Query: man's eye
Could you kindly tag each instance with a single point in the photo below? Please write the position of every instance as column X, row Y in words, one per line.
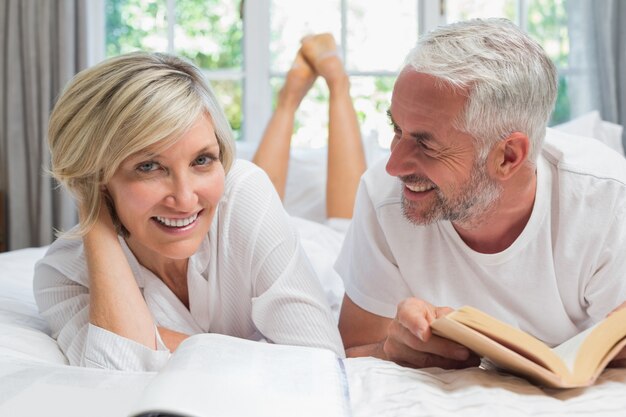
column 147, row 166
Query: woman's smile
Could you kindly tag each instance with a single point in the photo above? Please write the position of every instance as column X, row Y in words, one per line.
column 166, row 199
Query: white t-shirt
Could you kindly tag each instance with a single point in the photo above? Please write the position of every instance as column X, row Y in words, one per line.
column 249, row 278
column 565, row 271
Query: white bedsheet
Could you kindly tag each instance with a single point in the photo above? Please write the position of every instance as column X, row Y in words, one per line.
column 34, row 375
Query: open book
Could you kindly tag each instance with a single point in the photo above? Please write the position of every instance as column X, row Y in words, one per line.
column 575, row 363
column 221, row 376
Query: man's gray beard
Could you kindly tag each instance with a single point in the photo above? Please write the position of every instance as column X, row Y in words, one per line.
column 467, row 209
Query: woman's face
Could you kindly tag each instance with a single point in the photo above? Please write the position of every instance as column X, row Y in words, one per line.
column 167, row 200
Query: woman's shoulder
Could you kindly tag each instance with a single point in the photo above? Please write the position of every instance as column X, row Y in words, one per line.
column 65, row 256
column 249, row 196
column 246, row 180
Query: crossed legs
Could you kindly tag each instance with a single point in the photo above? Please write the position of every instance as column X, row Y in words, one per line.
column 346, row 158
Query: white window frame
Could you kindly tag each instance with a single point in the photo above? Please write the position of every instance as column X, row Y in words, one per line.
column 256, row 73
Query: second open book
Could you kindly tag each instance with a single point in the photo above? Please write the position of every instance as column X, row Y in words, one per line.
column 222, row 376
column 575, row 363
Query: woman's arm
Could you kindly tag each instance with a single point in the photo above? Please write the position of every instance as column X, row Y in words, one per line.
column 84, row 318
column 115, row 301
column 288, row 304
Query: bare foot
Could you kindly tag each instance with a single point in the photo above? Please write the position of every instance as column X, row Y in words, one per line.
column 323, row 55
column 298, row 81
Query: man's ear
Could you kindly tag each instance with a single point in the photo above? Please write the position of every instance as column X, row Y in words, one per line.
column 510, row 154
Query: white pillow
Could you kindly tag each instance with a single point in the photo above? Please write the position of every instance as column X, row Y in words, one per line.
column 28, row 343
column 305, row 191
column 592, row 126
column 24, row 334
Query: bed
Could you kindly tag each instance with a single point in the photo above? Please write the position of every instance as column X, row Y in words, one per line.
column 35, row 378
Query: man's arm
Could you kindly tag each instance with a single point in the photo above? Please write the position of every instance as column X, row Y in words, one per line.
column 362, row 332
column 406, row 339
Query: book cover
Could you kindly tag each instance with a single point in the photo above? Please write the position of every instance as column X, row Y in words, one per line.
column 575, row 363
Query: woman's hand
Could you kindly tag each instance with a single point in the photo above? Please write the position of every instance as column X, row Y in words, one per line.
column 115, row 301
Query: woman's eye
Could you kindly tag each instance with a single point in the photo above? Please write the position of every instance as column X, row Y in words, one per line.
column 203, row 160
column 147, row 166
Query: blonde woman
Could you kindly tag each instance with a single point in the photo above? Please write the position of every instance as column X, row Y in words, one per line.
column 175, row 236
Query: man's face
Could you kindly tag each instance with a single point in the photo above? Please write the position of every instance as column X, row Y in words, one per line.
column 437, row 163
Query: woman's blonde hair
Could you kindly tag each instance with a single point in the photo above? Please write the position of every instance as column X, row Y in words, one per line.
column 120, row 107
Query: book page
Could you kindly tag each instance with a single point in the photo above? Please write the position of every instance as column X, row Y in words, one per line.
column 568, row 350
column 31, row 388
column 510, row 337
column 217, row 375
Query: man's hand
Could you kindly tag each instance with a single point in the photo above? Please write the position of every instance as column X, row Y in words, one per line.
column 620, row 360
column 406, row 340
column 410, row 341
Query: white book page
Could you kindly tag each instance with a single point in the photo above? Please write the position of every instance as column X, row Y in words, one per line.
column 217, row 375
column 568, row 350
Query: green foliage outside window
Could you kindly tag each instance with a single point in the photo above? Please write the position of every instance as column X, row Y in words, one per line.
column 210, row 33
column 207, row 32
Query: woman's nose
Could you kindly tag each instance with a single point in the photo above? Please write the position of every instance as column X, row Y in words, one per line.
column 182, row 195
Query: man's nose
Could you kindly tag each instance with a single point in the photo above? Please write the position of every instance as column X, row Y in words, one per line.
column 402, row 160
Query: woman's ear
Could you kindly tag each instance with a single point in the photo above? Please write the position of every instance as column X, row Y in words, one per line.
column 510, row 154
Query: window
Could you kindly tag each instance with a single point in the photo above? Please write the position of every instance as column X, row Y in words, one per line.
column 365, row 34
column 208, row 32
column 544, row 20
column 248, row 71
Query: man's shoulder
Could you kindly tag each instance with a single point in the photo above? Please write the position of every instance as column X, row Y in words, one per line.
column 583, row 156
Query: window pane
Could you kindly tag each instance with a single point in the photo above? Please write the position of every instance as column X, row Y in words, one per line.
column 547, row 24
column 311, row 122
column 229, row 95
column 291, row 20
column 135, row 25
column 379, row 36
column 457, row 10
column 372, row 97
column 562, row 109
column 209, row 32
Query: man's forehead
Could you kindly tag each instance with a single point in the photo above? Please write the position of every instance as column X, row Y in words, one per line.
column 414, row 90
column 411, row 81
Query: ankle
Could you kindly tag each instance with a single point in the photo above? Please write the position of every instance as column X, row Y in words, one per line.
column 338, row 82
column 288, row 100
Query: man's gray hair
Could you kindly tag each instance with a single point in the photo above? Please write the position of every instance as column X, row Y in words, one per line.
column 511, row 82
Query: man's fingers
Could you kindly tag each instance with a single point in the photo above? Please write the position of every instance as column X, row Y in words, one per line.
column 442, row 311
column 416, row 316
column 436, row 345
column 404, row 355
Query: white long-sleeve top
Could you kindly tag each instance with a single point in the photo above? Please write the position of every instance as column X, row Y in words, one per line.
column 249, row 278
